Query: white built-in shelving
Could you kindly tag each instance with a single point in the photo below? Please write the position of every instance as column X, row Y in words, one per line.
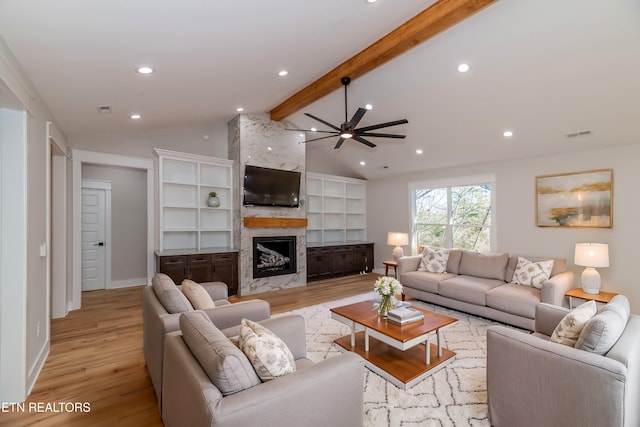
column 184, row 182
column 336, row 209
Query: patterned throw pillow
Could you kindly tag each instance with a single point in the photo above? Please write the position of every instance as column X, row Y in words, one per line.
column 532, row 273
column 434, row 260
column 197, row 295
column 269, row 355
column 568, row 330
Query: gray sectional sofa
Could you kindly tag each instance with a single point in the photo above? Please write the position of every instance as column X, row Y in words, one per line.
column 479, row 284
column 327, row 393
column 532, row 381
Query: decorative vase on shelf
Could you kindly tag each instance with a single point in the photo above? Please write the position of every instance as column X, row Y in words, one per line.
column 213, row 201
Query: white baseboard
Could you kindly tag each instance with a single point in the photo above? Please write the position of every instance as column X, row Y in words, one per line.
column 127, row 283
column 38, row 364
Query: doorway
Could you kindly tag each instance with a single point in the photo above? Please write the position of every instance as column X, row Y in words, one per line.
column 96, row 234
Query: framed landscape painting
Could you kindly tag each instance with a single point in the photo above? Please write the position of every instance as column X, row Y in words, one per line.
column 578, row 199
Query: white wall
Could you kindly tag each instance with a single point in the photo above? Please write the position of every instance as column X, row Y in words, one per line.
column 128, row 222
column 141, row 143
column 517, row 233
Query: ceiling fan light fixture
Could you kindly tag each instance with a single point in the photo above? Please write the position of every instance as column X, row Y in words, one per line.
column 346, row 135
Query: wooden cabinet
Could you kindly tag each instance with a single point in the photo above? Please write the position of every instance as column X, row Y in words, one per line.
column 201, row 267
column 225, row 269
column 318, row 263
column 338, row 260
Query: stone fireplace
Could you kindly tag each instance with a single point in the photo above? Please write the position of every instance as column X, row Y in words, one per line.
column 274, row 256
column 256, row 140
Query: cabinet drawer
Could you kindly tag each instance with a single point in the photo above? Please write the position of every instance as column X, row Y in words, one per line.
column 199, row 259
column 173, row 261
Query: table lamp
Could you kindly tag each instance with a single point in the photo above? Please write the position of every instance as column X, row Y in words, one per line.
column 398, row 240
column 591, row 255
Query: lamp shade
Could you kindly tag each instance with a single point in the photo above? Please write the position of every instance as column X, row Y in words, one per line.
column 397, row 239
column 592, row 255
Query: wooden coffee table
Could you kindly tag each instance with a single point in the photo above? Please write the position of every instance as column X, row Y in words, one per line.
column 402, row 354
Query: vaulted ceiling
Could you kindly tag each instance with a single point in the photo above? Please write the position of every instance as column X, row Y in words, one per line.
column 543, row 69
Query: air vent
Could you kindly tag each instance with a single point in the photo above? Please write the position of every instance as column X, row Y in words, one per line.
column 104, row 109
column 577, row 134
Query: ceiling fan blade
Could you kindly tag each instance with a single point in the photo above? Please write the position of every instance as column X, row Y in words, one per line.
column 364, row 141
column 322, row 121
column 381, row 125
column 357, row 117
column 316, row 131
column 322, row 137
column 382, row 135
column 339, row 143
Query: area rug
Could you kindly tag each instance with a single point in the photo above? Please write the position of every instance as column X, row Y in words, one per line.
column 453, row 396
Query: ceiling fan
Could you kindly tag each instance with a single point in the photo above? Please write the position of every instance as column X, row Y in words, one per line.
column 348, row 130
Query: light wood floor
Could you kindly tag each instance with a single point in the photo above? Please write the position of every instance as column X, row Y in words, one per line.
column 96, row 356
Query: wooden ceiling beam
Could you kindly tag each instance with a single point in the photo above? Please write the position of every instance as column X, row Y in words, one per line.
column 438, row 17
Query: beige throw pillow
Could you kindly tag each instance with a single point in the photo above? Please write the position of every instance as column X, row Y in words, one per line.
column 197, row 295
column 434, row 260
column 530, row 273
column 568, row 330
column 269, row 355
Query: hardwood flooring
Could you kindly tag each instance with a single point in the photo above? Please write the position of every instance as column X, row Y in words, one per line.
column 96, row 357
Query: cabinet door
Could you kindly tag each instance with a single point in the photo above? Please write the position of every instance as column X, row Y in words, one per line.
column 342, row 260
column 225, row 269
column 200, row 268
column 360, row 259
column 173, row 266
column 318, row 263
column 369, row 258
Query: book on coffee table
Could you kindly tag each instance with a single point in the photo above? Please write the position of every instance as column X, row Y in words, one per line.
column 402, row 315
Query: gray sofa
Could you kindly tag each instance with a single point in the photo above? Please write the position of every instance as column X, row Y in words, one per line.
column 534, row 382
column 328, row 393
column 479, row 284
column 157, row 322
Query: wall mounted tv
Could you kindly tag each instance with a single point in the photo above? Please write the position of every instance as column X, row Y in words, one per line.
column 271, row 187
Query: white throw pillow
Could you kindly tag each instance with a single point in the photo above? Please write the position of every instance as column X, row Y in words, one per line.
column 568, row 330
column 269, row 355
column 197, row 295
column 530, row 273
column 434, row 260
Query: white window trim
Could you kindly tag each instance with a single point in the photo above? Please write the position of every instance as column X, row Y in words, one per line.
column 459, row 181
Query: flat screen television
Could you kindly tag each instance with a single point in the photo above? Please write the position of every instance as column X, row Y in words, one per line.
column 271, row 187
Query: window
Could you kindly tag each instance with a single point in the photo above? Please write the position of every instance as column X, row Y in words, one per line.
column 454, row 215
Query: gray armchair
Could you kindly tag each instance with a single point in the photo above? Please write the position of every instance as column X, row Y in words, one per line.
column 328, row 393
column 534, row 382
column 158, row 322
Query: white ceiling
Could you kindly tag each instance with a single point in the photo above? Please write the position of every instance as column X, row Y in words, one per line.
column 541, row 68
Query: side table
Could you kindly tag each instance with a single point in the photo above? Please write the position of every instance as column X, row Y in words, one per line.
column 392, row 264
column 603, row 297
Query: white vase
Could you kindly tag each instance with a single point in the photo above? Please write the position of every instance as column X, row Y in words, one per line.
column 213, row 201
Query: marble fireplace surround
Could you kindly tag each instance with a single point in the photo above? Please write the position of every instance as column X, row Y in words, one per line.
column 256, row 140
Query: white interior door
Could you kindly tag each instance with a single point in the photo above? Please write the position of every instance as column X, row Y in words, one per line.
column 93, row 239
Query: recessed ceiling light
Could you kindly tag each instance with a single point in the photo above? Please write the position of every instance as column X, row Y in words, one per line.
column 362, row 163
column 371, row 1
column 369, row 107
column 135, row 116
column 239, row 109
column 463, row 68
column 313, row 129
column 419, row 151
column 145, row 70
column 507, row 133
column 283, row 73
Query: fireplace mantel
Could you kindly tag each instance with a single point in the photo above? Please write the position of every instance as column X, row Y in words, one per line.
column 259, row 222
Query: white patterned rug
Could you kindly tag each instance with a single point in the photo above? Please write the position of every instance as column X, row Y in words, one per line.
column 453, row 396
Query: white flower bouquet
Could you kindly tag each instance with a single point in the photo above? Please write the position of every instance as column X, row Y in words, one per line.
column 387, row 287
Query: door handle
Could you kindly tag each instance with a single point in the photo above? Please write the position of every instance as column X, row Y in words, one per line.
column 99, row 244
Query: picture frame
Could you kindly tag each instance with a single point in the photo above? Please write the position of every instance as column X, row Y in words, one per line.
column 576, row 199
